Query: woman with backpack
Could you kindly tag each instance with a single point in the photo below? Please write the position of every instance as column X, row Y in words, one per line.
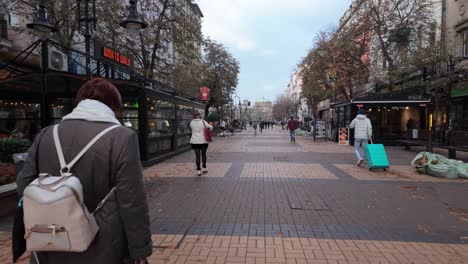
column 199, row 141
column 111, row 177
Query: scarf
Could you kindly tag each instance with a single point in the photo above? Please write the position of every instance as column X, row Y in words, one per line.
column 92, row 110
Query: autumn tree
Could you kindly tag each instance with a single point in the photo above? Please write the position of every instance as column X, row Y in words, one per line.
column 315, row 70
column 221, row 72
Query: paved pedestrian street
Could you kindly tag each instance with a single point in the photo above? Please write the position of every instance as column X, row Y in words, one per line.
column 266, row 200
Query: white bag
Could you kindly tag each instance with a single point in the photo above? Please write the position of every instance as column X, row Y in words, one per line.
column 55, row 216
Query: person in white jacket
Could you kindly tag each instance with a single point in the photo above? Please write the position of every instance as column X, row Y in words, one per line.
column 198, row 141
column 362, row 133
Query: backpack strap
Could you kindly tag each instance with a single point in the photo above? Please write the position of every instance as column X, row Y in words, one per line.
column 64, row 167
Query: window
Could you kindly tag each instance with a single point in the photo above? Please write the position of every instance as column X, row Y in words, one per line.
column 160, row 118
column 129, row 115
column 462, row 47
column 13, row 19
column 184, row 117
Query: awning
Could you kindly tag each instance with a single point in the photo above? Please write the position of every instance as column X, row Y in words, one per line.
column 393, row 102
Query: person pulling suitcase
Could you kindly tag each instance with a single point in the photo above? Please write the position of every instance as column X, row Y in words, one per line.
column 362, row 133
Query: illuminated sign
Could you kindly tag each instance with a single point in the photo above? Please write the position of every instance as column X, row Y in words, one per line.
column 115, row 56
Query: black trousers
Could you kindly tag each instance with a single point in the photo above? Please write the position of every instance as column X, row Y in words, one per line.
column 200, row 151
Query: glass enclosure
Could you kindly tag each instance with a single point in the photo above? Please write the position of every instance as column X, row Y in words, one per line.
column 19, row 118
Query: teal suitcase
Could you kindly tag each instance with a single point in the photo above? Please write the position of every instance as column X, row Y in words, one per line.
column 376, row 157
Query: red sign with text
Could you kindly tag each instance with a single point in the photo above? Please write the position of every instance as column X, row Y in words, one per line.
column 117, row 57
column 204, row 93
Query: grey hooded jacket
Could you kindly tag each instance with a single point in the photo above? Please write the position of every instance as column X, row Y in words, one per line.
column 114, row 160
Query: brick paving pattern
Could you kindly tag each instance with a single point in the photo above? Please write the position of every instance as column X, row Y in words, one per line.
column 167, row 170
column 266, row 200
column 286, row 170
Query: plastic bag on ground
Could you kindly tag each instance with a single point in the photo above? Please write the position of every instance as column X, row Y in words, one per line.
column 441, row 167
column 463, row 171
column 420, row 162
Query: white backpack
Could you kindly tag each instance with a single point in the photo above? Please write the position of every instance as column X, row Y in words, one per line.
column 55, row 216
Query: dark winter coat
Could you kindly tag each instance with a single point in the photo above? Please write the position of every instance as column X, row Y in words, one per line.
column 124, row 226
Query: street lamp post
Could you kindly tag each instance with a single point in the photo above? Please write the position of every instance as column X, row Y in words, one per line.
column 240, row 108
column 43, row 28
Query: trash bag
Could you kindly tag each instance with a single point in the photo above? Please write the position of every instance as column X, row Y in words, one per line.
column 463, row 171
column 441, row 167
column 420, row 162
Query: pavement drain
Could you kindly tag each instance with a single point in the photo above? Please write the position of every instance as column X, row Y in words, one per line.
column 316, row 204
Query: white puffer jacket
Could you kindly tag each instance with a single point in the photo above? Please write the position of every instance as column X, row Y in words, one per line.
column 362, row 126
column 198, row 134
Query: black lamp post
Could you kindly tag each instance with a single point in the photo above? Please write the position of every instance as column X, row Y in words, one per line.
column 43, row 28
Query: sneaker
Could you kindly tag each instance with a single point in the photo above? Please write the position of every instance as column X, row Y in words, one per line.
column 359, row 163
column 199, row 173
column 205, row 170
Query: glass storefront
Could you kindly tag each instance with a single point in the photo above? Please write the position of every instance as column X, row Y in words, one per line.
column 161, row 119
column 129, row 115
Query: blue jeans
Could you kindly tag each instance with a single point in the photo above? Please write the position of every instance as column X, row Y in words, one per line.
column 292, row 133
column 357, row 144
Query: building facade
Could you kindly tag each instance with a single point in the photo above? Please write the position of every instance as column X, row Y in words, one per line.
column 262, row 110
column 299, row 107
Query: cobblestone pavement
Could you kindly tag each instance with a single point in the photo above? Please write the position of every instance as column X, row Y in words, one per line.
column 266, row 200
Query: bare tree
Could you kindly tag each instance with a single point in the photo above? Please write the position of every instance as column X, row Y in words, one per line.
column 281, row 107
column 399, row 29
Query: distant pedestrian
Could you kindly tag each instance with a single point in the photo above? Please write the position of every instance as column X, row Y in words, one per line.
column 111, row 167
column 292, row 126
column 362, row 133
column 255, row 126
column 198, row 141
column 223, row 125
column 262, row 126
column 282, row 125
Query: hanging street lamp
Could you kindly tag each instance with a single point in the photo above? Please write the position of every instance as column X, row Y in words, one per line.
column 41, row 25
column 133, row 23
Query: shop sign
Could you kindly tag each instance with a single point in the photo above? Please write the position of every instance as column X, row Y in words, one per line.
column 323, row 105
column 422, row 105
column 320, row 129
column 116, row 56
column 204, row 93
column 344, row 136
column 360, row 105
column 460, row 90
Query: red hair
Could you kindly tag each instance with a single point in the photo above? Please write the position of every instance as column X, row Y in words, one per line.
column 100, row 90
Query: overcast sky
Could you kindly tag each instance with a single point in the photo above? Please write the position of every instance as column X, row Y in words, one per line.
column 268, row 37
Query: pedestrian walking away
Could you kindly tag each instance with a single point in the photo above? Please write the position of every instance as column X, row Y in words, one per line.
column 199, row 141
column 110, row 176
column 362, row 133
column 223, row 125
column 255, row 126
column 292, row 126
